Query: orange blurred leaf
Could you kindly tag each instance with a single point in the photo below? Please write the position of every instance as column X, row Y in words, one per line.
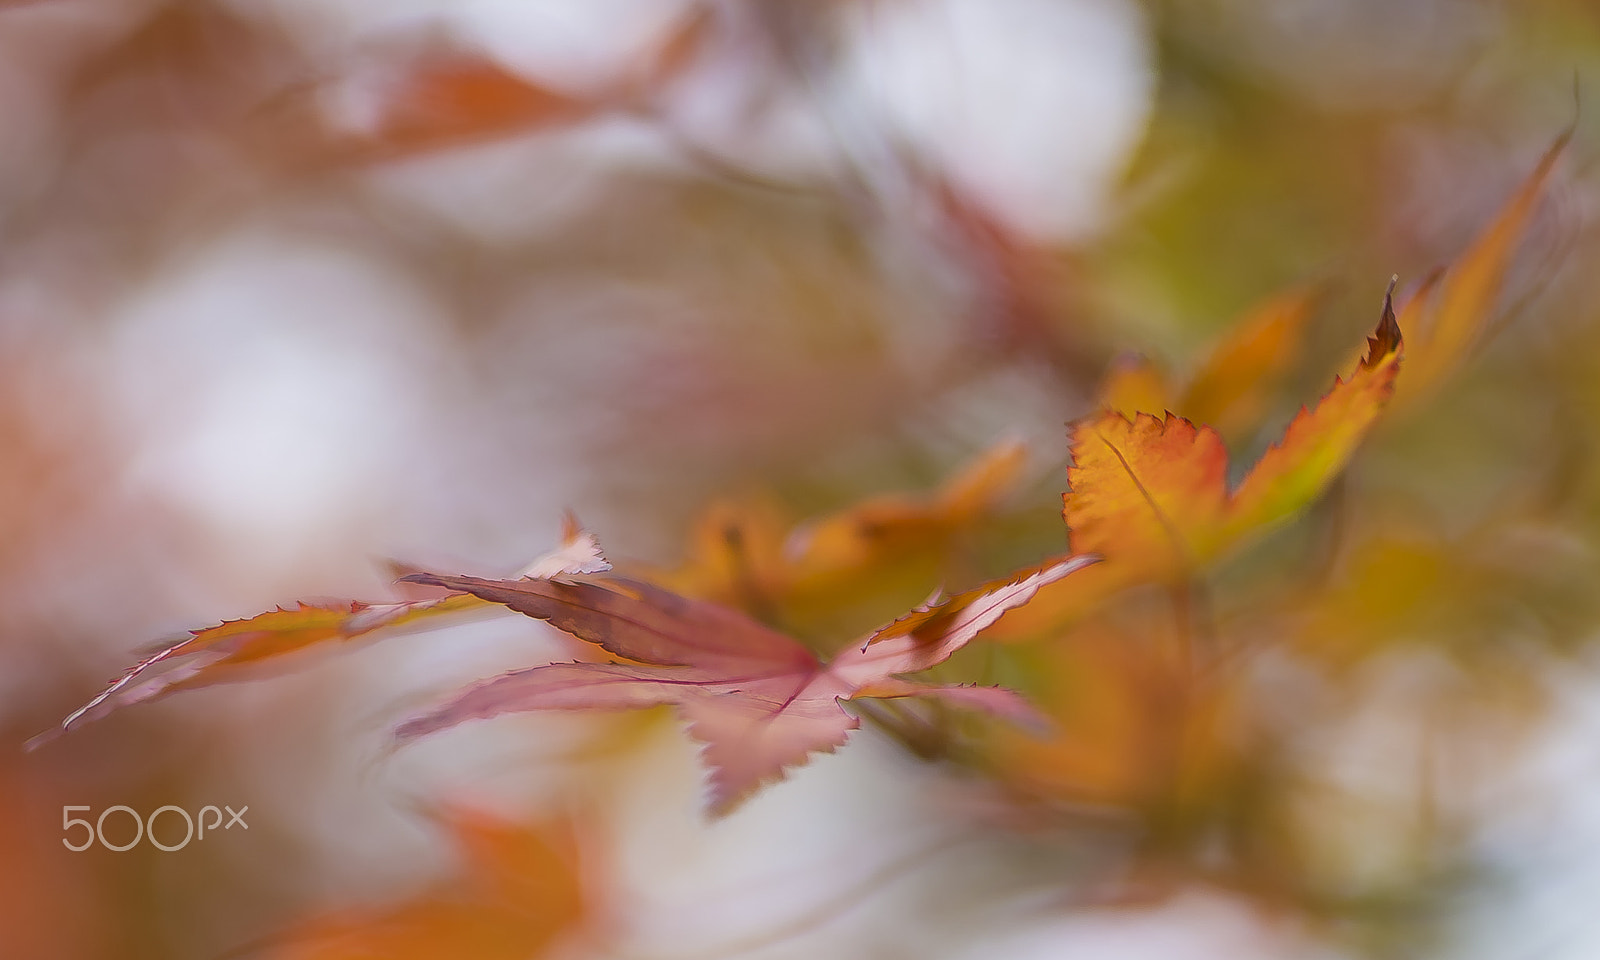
column 1128, row 724
column 827, row 553
column 735, row 557
column 1235, row 386
column 452, row 101
column 1134, row 385
column 746, row 554
column 1445, row 319
column 518, row 893
column 458, row 98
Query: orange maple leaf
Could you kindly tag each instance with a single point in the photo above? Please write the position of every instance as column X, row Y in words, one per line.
column 1151, row 494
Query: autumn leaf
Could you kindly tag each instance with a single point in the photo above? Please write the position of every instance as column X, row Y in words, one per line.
column 759, row 700
column 748, row 555
column 517, row 894
column 1129, row 723
column 1133, row 384
column 1150, row 494
column 1170, row 514
column 735, row 556
column 827, row 553
column 1402, row 582
column 454, row 98
column 1382, row 589
column 1317, row 443
column 229, row 650
column 1232, row 388
column 450, row 101
column 577, row 553
column 1153, row 493
column 1447, row 316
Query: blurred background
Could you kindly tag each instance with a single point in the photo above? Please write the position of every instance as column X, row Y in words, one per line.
column 291, row 287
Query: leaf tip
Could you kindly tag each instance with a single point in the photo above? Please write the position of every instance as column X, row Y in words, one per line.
column 38, row 740
column 414, row 728
column 1386, row 339
column 578, row 553
column 571, row 527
